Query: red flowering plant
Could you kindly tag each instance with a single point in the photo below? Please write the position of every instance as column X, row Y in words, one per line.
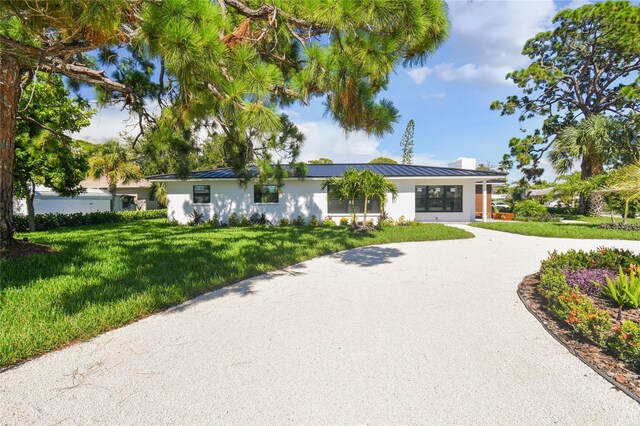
column 624, row 342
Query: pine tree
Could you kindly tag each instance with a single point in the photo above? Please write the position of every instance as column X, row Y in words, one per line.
column 407, row 143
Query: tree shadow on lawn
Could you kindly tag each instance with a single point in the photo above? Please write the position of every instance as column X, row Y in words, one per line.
column 168, row 267
column 369, row 256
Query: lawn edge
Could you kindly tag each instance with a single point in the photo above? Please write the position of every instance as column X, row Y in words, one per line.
column 480, row 226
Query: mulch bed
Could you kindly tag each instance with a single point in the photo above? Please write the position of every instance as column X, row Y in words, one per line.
column 23, row 249
column 620, row 373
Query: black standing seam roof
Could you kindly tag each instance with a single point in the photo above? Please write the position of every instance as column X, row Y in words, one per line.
column 329, row 170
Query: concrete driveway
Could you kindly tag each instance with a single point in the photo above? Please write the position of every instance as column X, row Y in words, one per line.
column 427, row 332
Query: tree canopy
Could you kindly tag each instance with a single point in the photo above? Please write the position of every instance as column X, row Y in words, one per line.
column 44, row 154
column 383, row 160
column 588, row 65
column 321, row 160
column 228, row 65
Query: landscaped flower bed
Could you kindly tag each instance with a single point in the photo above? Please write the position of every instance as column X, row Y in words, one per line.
column 595, row 296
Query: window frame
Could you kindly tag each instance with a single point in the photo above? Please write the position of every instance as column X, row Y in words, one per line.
column 373, row 209
column 276, row 193
column 193, row 194
column 443, row 200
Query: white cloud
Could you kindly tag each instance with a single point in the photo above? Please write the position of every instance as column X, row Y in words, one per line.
column 108, row 123
column 469, row 72
column 418, row 75
column 328, row 140
column 487, row 38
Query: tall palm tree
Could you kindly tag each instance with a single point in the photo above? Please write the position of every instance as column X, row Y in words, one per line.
column 591, row 143
column 115, row 163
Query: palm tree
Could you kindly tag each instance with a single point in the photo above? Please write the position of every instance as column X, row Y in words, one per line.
column 364, row 184
column 590, row 142
column 375, row 185
column 114, row 163
column 624, row 181
column 345, row 187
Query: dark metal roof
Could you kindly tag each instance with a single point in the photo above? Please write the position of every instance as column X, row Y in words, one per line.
column 329, row 170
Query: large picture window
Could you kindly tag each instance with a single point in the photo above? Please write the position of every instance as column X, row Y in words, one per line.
column 335, row 206
column 440, row 198
column 201, row 194
column 265, row 194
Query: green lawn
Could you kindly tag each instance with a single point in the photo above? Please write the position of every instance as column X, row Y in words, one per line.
column 104, row 276
column 596, row 219
column 559, row 230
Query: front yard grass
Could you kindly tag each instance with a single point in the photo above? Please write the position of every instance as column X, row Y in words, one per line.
column 560, row 230
column 104, row 276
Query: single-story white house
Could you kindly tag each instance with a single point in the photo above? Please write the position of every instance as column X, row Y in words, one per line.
column 427, row 194
column 47, row 200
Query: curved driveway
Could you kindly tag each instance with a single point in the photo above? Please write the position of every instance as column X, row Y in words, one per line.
column 427, row 332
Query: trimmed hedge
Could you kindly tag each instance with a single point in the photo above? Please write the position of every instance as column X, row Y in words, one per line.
column 621, row 226
column 47, row 221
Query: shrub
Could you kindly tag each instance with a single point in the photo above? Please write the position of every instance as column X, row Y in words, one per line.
column 563, row 211
column 529, row 210
column 401, row 221
column 298, row 221
column 214, row 221
column 620, row 226
column 552, row 284
column 344, row 221
column 624, row 342
column 328, row 221
column 578, row 311
column 602, row 257
column 284, row 221
column 244, row 220
column 314, row 221
column 197, row 219
column 387, row 222
column 587, row 280
column 234, row 220
column 48, row 221
column 258, row 219
column 624, row 289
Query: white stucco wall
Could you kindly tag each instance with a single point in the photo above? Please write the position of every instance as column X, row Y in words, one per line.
column 47, row 201
column 304, row 198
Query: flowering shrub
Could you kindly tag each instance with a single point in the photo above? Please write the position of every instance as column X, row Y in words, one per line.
column 602, row 257
column 578, row 311
column 584, row 279
column 566, row 278
column 624, row 342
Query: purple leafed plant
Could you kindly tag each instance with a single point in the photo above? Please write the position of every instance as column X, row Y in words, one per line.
column 583, row 278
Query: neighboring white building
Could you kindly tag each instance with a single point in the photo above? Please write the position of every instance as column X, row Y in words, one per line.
column 428, row 194
column 129, row 196
column 48, row 201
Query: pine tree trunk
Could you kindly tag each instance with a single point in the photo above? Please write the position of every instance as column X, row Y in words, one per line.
column 31, row 213
column 9, row 96
column 593, row 204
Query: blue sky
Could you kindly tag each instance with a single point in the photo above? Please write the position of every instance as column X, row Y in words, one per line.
column 448, row 98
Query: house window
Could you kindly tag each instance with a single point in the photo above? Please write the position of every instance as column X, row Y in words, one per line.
column 335, row 206
column 439, row 198
column 201, row 194
column 265, row 194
